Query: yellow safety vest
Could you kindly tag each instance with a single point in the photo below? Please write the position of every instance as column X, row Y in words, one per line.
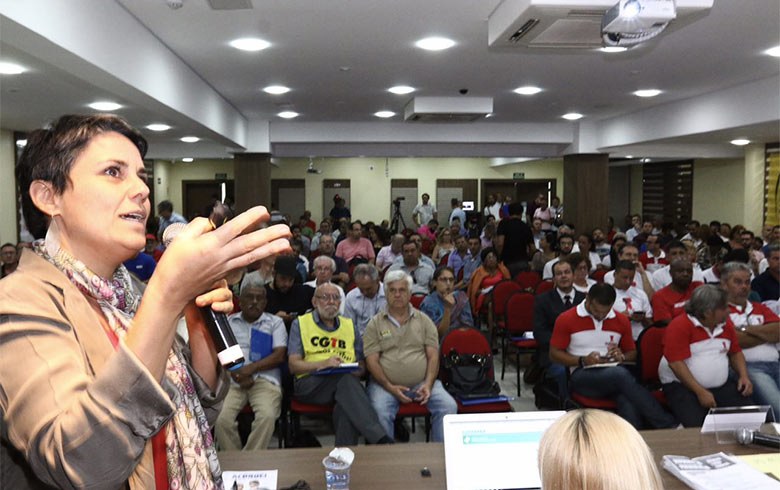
column 319, row 344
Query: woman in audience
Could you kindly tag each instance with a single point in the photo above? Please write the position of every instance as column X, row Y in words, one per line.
column 545, row 253
column 377, row 236
column 97, row 390
column 449, row 309
column 596, row 450
column 487, row 275
column 444, row 245
column 610, row 260
column 580, row 264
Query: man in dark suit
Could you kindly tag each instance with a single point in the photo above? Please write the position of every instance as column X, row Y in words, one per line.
column 546, row 310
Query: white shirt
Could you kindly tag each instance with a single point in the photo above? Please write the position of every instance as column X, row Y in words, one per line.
column 426, row 212
column 662, row 278
column 759, row 353
column 630, row 301
column 609, row 278
column 709, row 361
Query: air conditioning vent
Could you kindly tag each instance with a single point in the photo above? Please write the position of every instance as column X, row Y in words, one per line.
column 230, row 4
column 525, row 29
column 448, row 109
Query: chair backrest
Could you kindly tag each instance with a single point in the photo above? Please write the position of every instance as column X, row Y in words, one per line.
column 544, row 286
column 650, row 350
column 520, row 313
column 417, row 299
column 465, row 340
column 501, row 292
column 598, row 275
column 528, row 280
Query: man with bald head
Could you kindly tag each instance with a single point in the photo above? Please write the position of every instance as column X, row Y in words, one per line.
column 670, row 301
column 389, row 253
column 320, row 341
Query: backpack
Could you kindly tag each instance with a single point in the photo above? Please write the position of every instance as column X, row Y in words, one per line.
column 468, row 376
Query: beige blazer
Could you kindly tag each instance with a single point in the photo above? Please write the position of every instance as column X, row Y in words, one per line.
column 80, row 412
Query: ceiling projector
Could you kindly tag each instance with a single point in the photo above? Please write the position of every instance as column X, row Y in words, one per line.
column 635, row 21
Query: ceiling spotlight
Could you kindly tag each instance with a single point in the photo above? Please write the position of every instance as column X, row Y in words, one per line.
column 384, row 114
column 288, row 114
column 187, row 159
column 629, row 156
column 7, row 68
column 21, row 143
column 276, row 89
column 401, row 90
column 645, row 160
column 190, row 139
column 527, row 90
column 630, row 9
column 572, row 116
column 250, row 44
column 647, row 93
column 773, row 51
column 613, row 49
column 740, row 142
column 158, row 127
column 105, row 106
column 435, row 43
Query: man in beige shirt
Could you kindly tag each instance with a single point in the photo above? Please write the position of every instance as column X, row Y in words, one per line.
column 401, row 346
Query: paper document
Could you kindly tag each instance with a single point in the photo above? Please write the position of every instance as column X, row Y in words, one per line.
column 262, row 480
column 718, row 472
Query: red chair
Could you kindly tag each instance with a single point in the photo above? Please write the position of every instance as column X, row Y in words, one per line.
column 470, row 341
column 519, row 320
column 528, row 280
column 417, row 299
column 598, row 275
column 414, row 410
column 499, row 295
column 650, row 350
column 296, row 410
column 544, row 286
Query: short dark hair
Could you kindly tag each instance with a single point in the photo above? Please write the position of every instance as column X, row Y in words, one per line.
column 515, row 208
column 559, row 263
column 602, row 293
column 441, row 269
column 486, row 251
column 625, row 265
column 165, row 206
column 51, row 151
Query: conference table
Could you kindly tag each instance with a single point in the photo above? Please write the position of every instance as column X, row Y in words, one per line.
column 399, row 466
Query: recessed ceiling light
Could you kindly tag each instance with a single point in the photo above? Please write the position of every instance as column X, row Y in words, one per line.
column 187, row 159
column 527, row 90
column 740, row 142
column 288, row 114
column 7, row 68
column 435, row 43
column 250, row 44
column 773, row 51
column 158, row 127
column 572, row 116
column 629, row 156
column 276, row 89
column 190, row 139
column 384, row 114
column 21, row 143
column 647, row 93
column 613, row 49
column 401, row 89
column 105, row 106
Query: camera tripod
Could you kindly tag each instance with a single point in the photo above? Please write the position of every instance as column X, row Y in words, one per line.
column 397, row 217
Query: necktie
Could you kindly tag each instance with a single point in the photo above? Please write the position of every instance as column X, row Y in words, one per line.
column 567, row 301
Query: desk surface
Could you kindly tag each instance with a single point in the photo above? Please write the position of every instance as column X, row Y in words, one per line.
column 398, row 466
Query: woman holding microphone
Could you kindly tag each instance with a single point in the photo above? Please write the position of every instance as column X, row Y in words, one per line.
column 96, row 390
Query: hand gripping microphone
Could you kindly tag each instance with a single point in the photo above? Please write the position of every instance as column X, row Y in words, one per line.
column 228, row 351
column 747, row 436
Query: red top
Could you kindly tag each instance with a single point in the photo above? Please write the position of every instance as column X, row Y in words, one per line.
column 667, row 303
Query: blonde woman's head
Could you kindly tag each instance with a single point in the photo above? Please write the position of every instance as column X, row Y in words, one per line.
column 596, row 450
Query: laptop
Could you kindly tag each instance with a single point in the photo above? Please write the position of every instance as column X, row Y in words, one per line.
column 494, row 450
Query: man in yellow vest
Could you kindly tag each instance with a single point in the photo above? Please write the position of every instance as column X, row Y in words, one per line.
column 322, row 345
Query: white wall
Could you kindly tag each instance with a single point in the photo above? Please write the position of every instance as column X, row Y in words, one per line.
column 171, row 174
column 8, row 218
column 719, row 191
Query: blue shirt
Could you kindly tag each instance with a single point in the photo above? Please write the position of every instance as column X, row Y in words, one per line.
column 164, row 223
column 142, row 266
column 460, row 316
column 258, row 339
column 361, row 309
column 470, row 264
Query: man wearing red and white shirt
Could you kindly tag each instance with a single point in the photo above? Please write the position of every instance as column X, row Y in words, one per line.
column 758, row 333
column 699, row 347
column 653, row 258
column 630, row 300
column 592, row 334
column 670, row 301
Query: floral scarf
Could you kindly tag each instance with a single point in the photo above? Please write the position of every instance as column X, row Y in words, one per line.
column 191, row 455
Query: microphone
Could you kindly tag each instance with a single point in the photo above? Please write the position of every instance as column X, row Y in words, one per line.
column 229, row 352
column 747, row 436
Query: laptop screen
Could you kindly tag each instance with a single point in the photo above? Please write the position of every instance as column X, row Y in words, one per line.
column 494, row 450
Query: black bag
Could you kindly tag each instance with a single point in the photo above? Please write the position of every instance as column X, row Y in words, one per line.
column 467, row 376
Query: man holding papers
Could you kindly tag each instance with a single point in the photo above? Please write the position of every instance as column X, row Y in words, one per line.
column 592, row 335
column 320, row 343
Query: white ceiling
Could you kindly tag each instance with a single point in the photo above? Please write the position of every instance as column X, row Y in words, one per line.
column 340, row 56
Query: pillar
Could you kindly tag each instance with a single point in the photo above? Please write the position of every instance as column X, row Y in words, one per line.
column 586, row 190
column 252, row 174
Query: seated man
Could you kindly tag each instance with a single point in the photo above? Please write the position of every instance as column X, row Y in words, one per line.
column 327, row 247
column 420, row 272
column 471, row 263
column 630, row 300
column 565, row 246
column 321, row 340
column 457, row 258
column 677, row 250
column 670, row 301
column 428, row 230
column 355, row 246
column 389, row 253
column 286, row 299
column 758, row 333
column 402, row 355
column 699, row 346
column 417, row 240
column 324, row 270
column 592, row 334
column 641, row 279
column 263, row 339
column 367, row 299
column 654, row 257
column 767, row 284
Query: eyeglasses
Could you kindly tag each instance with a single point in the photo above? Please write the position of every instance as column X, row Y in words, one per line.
column 334, row 298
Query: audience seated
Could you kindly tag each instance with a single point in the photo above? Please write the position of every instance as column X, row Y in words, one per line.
column 444, row 245
column 585, row 244
column 457, row 257
column 389, row 253
column 402, row 354
column 670, row 301
column 565, row 246
column 630, row 300
column 676, row 250
column 355, row 246
column 544, row 253
column 325, row 229
column 286, row 299
column 327, row 247
column 653, row 258
column 630, row 252
column 324, row 270
column 471, row 263
column 600, row 244
column 420, row 272
column 367, row 298
column 263, row 340
column 767, row 284
column 487, row 275
column 447, row 307
column 581, row 266
column 320, row 340
column 699, row 347
column 417, row 240
column 428, row 231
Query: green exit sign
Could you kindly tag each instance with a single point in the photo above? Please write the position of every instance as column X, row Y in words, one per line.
column 518, row 175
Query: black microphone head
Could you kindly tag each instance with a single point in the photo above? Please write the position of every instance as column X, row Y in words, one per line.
column 171, row 232
column 744, row 436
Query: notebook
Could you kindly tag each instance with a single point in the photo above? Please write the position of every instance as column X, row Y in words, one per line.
column 494, row 450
